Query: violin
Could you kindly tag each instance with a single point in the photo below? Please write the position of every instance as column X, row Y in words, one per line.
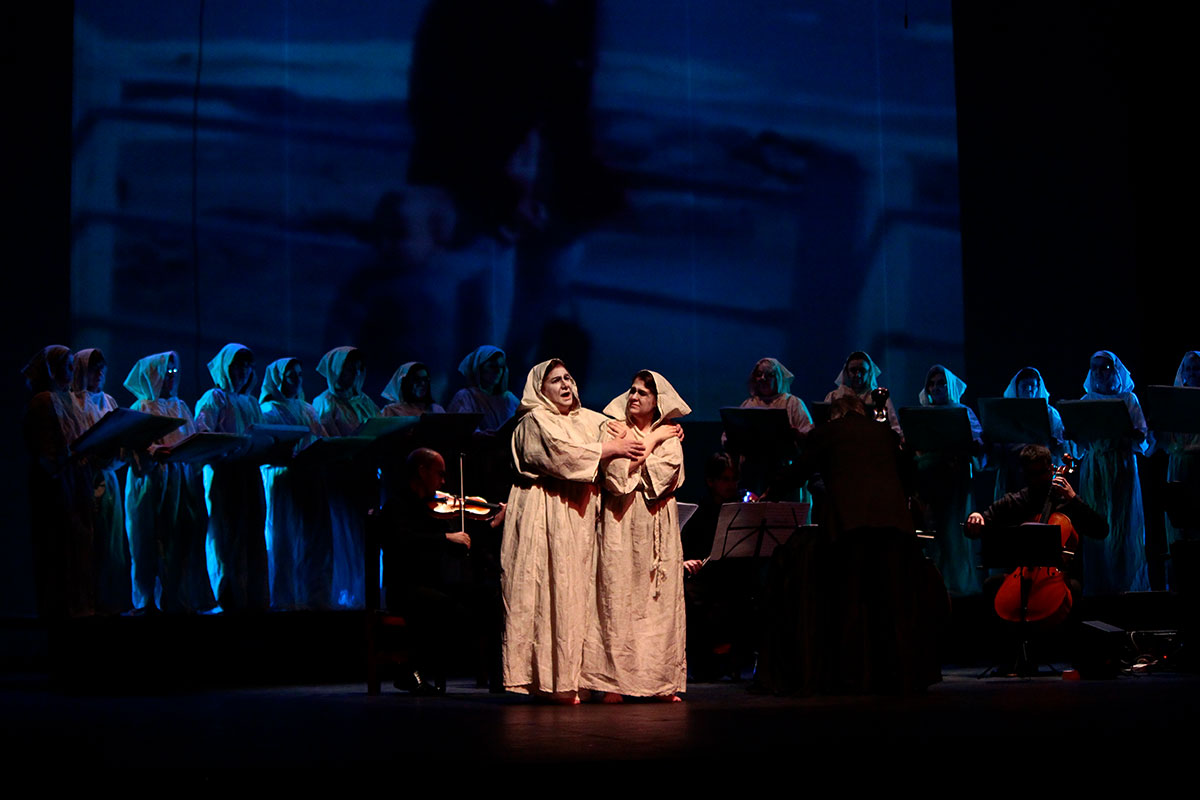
column 446, row 505
column 1041, row 594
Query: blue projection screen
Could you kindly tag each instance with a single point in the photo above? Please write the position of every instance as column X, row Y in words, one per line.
column 681, row 186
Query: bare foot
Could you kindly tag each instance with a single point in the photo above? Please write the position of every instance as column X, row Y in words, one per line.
column 668, row 698
column 612, row 698
column 565, row 699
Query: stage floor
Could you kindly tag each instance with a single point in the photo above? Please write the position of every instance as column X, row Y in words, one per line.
column 340, row 726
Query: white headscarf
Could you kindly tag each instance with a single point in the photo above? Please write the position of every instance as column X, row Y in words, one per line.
column 873, row 371
column 1124, row 378
column 394, row 391
column 219, row 366
column 146, row 378
column 670, row 404
column 1042, row 391
column 954, row 386
column 331, row 365
column 532, row 397
column 783, row 377
column 272, row 385
column 1178, row 373
column 470, row 365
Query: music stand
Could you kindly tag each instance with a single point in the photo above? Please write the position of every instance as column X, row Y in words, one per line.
column 686, row 511
column 761, row 432
column 274, row 444
column 1030, row 545
column 931, row 429
column 375, row 427
column 447, row 433
column 205, row 448
column 751, row 530
column 331, row 449
column 1175, row 409
column 1015, row 420
column 1009, row 548
column 123, row 427
column 1090, row 420
column 820, row 412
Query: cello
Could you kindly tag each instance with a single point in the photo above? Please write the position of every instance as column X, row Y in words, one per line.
column 1041, row 594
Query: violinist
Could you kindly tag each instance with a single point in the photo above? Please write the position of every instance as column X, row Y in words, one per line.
column 418, row 548
column 1026, row 505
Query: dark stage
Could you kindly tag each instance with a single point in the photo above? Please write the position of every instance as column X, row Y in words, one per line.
column 338, row 725
column 286, row 690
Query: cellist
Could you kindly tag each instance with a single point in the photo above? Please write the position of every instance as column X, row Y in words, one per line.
column 1016, row 508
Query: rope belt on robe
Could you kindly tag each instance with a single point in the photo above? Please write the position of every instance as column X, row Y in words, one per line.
column 658, row 572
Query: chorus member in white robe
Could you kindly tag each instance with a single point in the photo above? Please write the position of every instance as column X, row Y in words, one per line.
column 944, row 481
column 770, row 385
column 1028, row 384
column 353, row 488
column 59, row 489
column 408, row 392
column 1183, row 449
column 165, row 517
column 112, row 548
column 486, row 371
column 860, row 377
column 636, row 642
column 233, row 491
column 548, row 554
column 298, row 535
column 1108, row 482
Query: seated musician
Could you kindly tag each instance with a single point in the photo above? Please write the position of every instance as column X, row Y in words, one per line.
column 1026, row 505
column 417, row 549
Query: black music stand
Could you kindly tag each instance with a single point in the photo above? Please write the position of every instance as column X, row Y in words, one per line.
column 1175, row 409
column 1008, row 548
column 274, row 444
column 686, row 511
column 123, row 427
column 205, row 448
column 1015, row 420
column 330, row 450
column 753, row 530
column 930, row 429
column 819, row 412
column 759, row 432
column 1091, row 420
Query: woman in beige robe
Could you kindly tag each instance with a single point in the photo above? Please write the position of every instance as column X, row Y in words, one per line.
column 547, row 556
column 635, row 644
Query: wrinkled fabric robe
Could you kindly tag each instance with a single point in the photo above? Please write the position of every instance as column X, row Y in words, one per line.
column 1108, row 482
column 298, row 534
column 113, row 588
column 944, row 482
column 233, row 493
column 353, row 489
column 165, row 517
column 636, row 643
column 548, row 554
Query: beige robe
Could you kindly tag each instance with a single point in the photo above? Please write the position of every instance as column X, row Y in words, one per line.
column 547, row 556
column 636, row 641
